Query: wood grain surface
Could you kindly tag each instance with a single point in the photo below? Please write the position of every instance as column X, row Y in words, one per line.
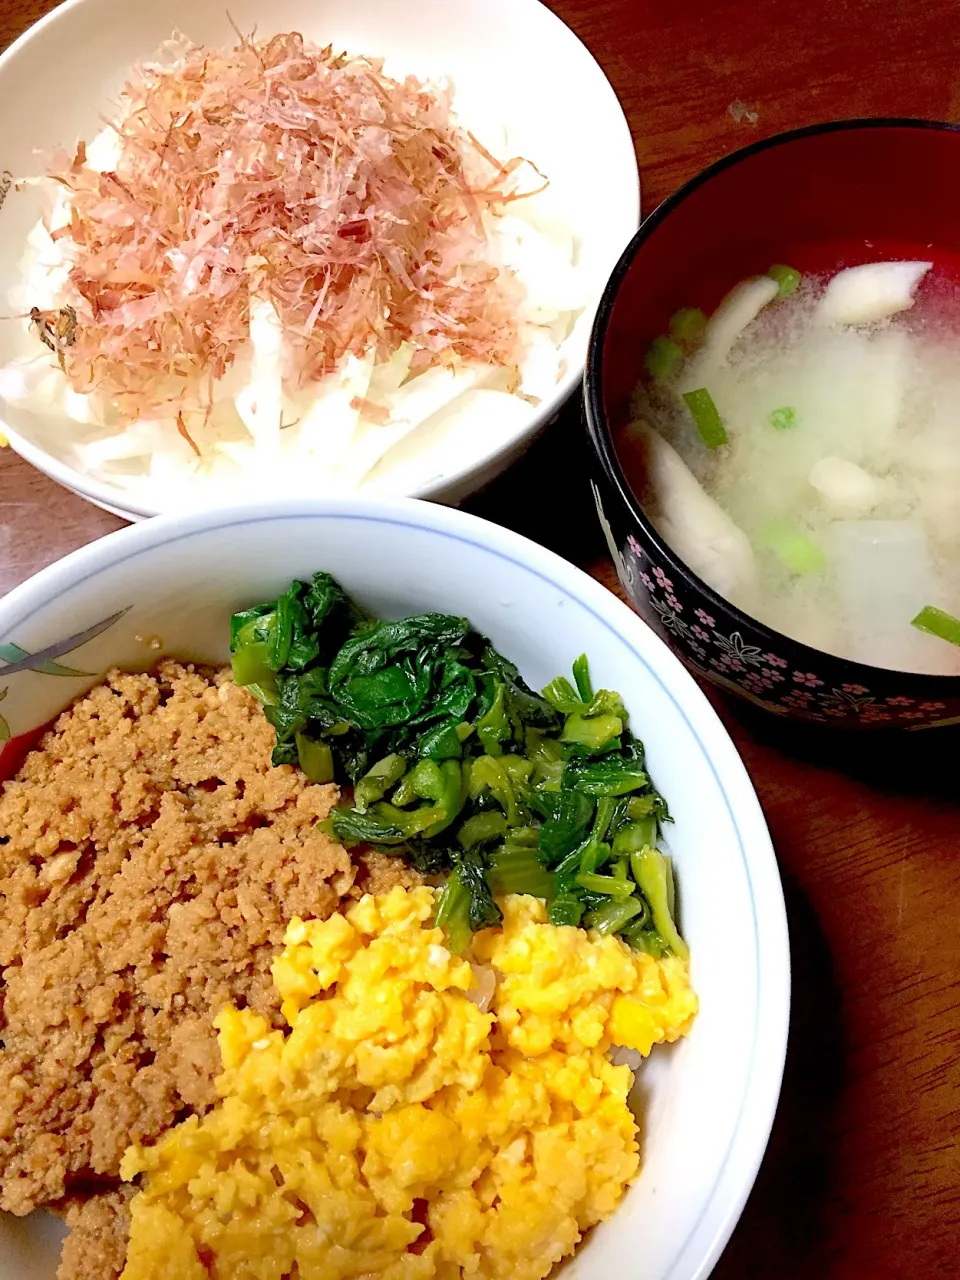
column 862, row 1178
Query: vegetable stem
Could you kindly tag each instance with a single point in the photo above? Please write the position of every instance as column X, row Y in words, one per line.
column 650, row 870
column 610, row 885
column 581, row 674
column 612, row 917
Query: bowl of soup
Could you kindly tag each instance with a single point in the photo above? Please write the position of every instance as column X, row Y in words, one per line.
column 773, row 397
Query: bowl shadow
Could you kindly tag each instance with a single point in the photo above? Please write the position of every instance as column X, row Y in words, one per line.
column 916, row 763
column 546, row 495
column 782, row 1231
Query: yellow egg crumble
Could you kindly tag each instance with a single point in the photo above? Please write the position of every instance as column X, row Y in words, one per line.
column 398, row 1131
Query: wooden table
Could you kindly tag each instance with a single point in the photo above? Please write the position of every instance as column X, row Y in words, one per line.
column 862, row 1178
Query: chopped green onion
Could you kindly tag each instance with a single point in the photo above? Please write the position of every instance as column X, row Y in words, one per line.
column 315, row 758
column 787, row 278
column 937, row 623
column 784, row 418
column 664, row 359
column 687, row 326
column 706, row 417
column 793, row 549
column 612, row 916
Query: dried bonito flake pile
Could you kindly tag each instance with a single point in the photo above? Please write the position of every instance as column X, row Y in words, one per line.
column 277, row 237
column 302, row 177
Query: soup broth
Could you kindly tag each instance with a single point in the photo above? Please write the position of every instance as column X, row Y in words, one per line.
column 800, row 450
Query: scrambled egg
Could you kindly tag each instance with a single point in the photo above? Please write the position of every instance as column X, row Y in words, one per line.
column 399, row 1131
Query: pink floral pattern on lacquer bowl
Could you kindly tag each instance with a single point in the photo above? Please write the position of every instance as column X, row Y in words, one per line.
column 771, row 671
column 763, row 204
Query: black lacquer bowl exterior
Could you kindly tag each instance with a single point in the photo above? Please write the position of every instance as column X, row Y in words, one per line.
column 883, row 179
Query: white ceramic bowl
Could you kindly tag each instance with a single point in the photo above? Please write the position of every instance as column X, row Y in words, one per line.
column 511, row 61
column 709, row 1101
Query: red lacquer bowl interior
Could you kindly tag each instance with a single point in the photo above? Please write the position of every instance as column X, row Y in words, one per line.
column 818, row 200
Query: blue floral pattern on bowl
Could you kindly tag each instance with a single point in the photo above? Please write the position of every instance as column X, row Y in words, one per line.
column 44, row 662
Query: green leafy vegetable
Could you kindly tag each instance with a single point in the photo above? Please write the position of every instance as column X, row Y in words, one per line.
column 566, row 909
column 935, row 622
column 706, row 417
column 787, row 278
column 460, row 767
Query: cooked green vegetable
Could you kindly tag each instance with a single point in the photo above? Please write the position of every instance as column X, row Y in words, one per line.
column 787, row 278
column 687, row 326
column 938, row 623
column 664, row 359
column 706, row 417
column 315, row 759
column 793, row 549
column 459, row 767
column 784, row 418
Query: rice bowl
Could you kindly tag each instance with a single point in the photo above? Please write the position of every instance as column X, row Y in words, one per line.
column 702, row 1142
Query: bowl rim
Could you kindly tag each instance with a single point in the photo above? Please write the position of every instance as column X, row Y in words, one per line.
column 114, row 498
column 599, row 429
column 750, row 1130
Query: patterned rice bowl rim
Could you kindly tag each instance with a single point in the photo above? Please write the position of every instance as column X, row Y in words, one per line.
column 45, row 662
column 763, row 677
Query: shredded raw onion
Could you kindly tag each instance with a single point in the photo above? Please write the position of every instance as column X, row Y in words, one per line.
column 289, row 177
